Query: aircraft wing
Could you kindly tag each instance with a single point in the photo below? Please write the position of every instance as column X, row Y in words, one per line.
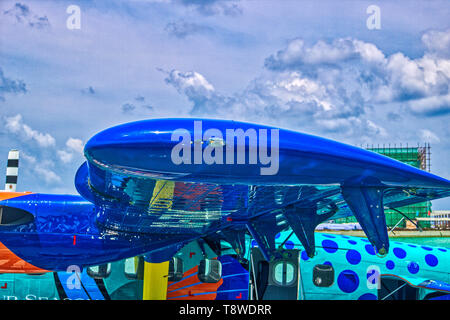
column 138, row 184
column 435, row 285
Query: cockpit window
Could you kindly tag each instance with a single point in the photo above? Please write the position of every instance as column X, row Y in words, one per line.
column 10, row 216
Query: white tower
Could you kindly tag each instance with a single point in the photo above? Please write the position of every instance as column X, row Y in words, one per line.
column 12, row 170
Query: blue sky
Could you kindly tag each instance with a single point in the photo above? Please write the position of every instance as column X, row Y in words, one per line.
column 310, row 66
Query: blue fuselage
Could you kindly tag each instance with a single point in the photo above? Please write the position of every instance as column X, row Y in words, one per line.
column 62, row 232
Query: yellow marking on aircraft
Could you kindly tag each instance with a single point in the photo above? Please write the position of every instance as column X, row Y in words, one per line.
column 162, row 198
column 156, row 274
column 155, row 281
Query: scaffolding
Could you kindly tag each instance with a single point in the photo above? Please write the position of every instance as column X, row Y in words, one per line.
column 417, row 156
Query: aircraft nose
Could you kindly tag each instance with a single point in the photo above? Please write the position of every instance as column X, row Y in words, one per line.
column 136, row 145
column 104, row 142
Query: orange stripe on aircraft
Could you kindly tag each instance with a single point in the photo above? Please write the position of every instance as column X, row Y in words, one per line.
column 201, row 291
column 209, row 296
column 186, row 290
column 174, row 286
column 10, row 263
column 4, row 195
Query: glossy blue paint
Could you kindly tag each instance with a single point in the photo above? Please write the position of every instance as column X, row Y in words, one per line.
column 144, row 148
column 329, row 246
column 124, row 163
column 348, row 281
column 399, row 253
column 116, row 216
column 48, row 241
column 413, row 267
column 368, row 296
column 390, row 264
column 235, row 280
column 431, row 260
column 82, row 288
column 353, row 256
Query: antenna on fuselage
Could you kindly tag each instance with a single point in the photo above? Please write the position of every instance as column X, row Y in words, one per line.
column 12, row 170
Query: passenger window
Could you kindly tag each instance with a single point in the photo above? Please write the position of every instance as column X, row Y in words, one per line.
column 284, row 273
column 323, row 275
column 99, row 272
column 134, row 268
column 209, row 271
column 175, row 269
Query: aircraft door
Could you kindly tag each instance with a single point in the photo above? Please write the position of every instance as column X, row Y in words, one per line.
column 275, row 280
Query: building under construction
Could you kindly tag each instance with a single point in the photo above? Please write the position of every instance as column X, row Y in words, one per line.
column 417, row 156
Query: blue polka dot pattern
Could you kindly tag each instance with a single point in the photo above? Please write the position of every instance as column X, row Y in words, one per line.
column 368, row 296
column 353, row 257
column 427, row 248
column 365, row 240
column 390, row 264
column 328, row 263
column 348, row 281
column 431, row 260
column 442, row 249
column 328, row 236
column 278, row 235
column 370, row 249
column 412, row 246
column 329, row 246
column 254, row 243
column 399, row 253
column 413, row 267
column 289, row 244
column 304, row 256
column 352, row 241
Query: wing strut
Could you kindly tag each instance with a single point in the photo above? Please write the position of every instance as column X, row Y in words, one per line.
column 303, row 222
column 237, row 240
column 263, row 231
column 366, row 203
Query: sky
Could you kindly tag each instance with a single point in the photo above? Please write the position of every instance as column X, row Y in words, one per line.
column 310, row 66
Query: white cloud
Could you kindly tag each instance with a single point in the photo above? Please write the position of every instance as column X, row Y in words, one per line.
column 42, row 169
column 21, row 13
column 288, row 99
column 65, row 156
column 417, row 78
column 437, row 42
column 182, row 29
column 191, row 83
column 15, row 125
column 29, row 158
column 349, row 67
column 335, row 87
column 8, row 85
column 213, row 7
column 75, row 145
column 428, row 136
column 297, row 55
column 375, row 130
column 431, row 106
column 48, row 175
